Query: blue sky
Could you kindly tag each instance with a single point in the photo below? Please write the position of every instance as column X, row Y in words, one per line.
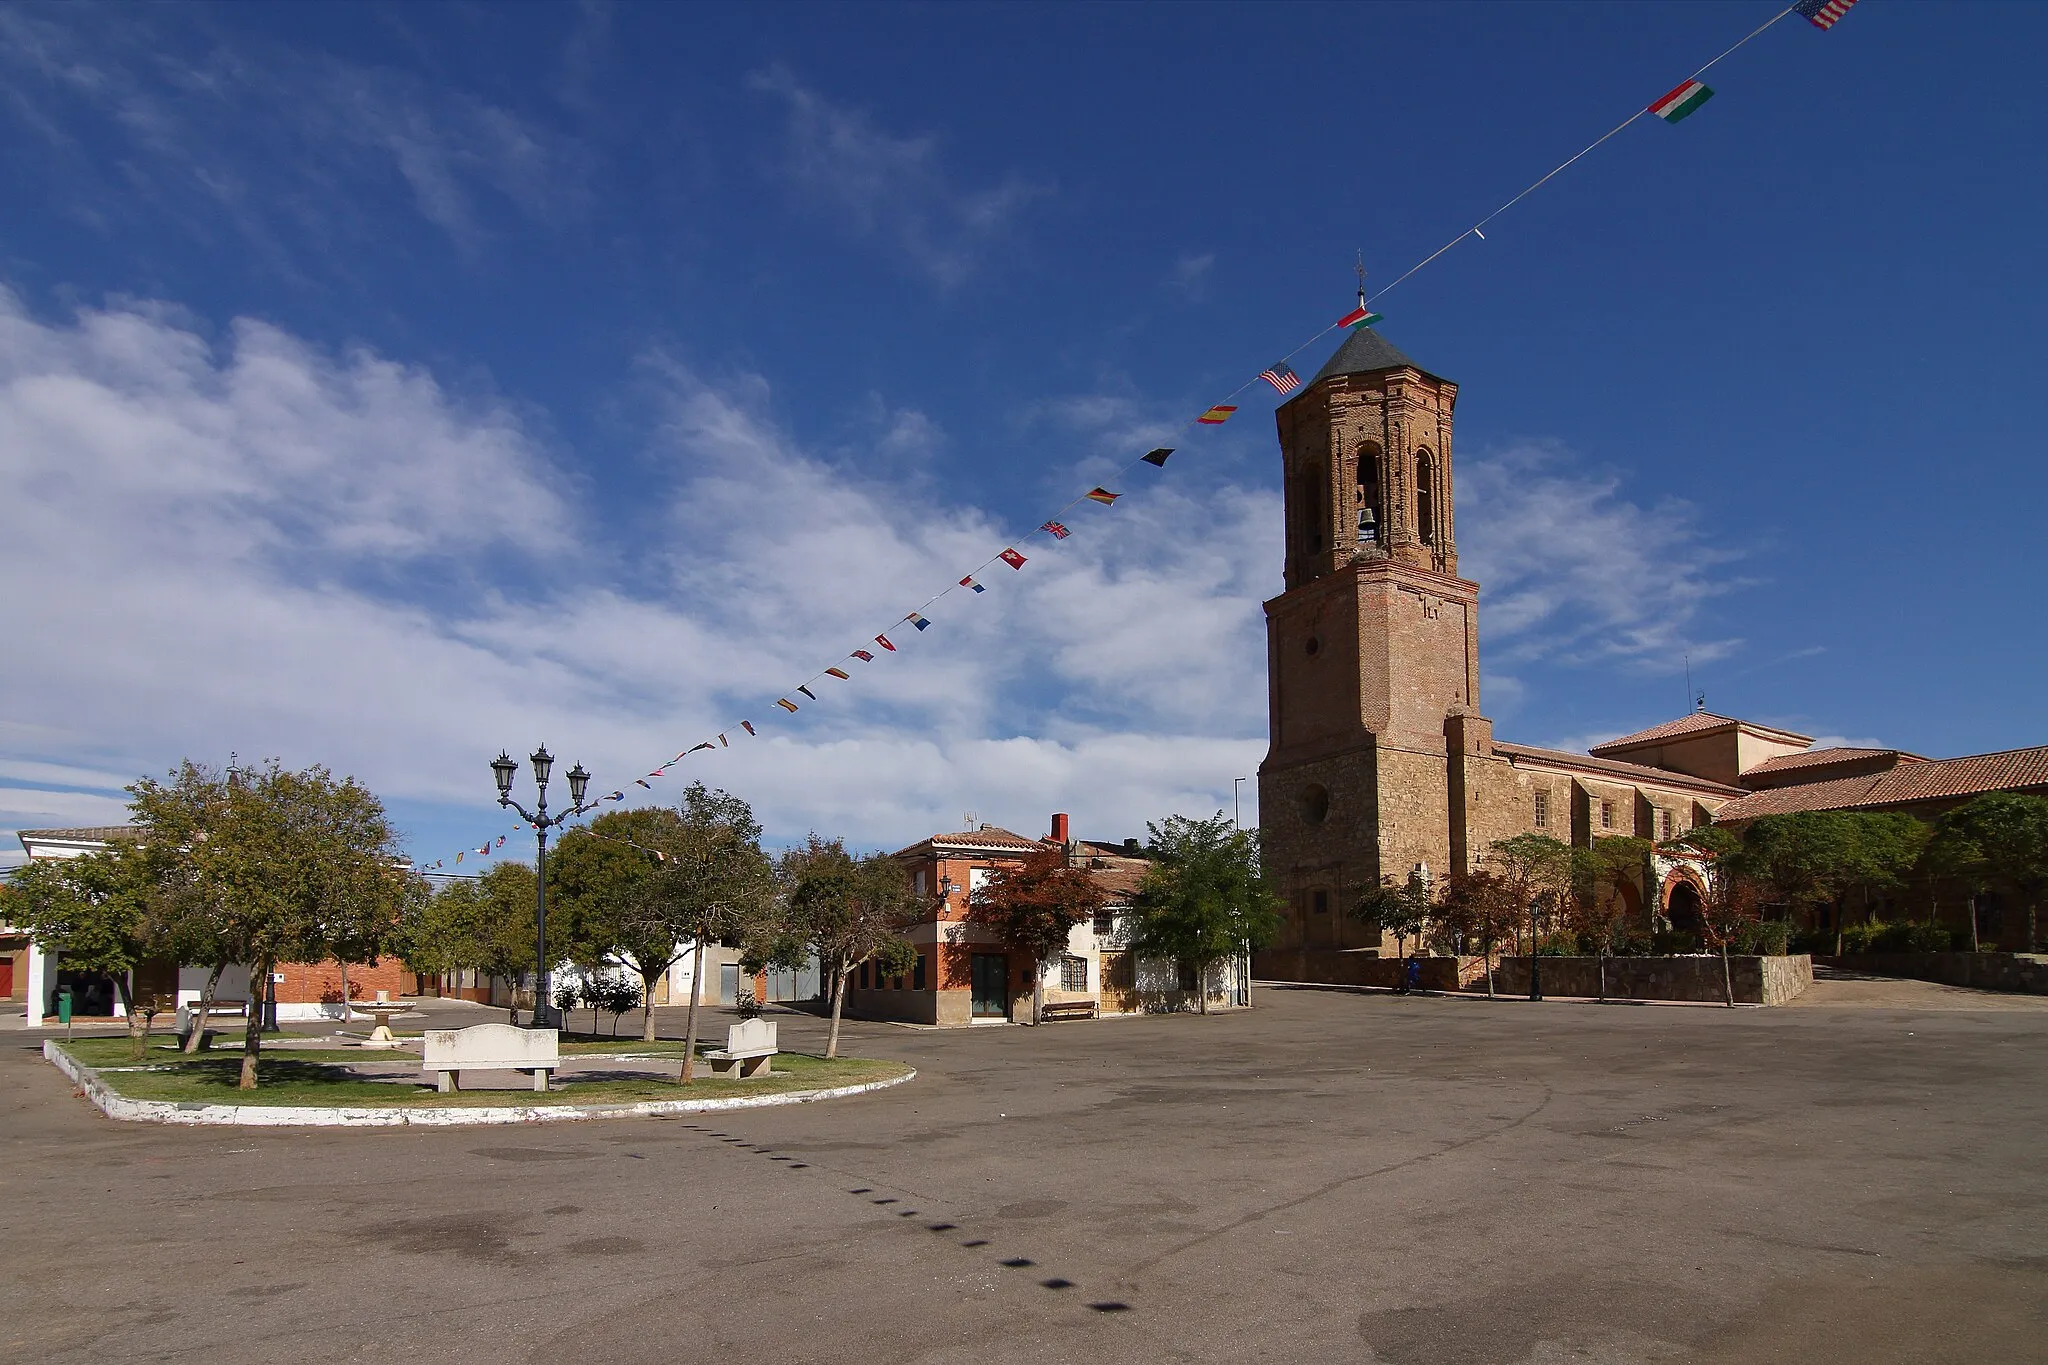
column 380, row 386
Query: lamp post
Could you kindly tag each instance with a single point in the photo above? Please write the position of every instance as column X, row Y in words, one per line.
column 504, row 769
column 1535, row 958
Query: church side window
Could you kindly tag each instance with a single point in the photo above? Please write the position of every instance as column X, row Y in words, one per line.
column 1663, row 824
column 1607, row 815
column 1425, row 498
column 1368, row 494
column 1543, row 810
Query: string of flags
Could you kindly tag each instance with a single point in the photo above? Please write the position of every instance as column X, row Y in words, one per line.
column 1679, row 103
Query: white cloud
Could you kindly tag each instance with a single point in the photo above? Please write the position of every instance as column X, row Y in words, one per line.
column 260, row 546
column 1191, row 273
column 893, row 187
column 1576, row 573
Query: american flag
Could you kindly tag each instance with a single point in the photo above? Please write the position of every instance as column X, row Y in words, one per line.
column 1059, row 532
column 1823, row 13
column 1281, row 378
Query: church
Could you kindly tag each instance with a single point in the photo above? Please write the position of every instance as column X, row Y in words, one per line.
column 1381, row 761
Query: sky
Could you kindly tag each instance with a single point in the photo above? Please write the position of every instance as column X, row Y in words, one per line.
column 385, row 385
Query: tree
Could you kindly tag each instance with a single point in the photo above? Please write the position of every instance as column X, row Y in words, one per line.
column 1483, row 907
column 2008, row 833
column 610, row 885
column 1033, row 908
column 272, row 861
column 480, row 924
column 1732, row 908
column 1599, row 910
column 1535, row 871
column 849, row 911
column 1403, row 911
column 1205, row 897
column 92, row 910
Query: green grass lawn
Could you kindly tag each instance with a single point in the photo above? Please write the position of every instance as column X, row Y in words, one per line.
column 306, row 1076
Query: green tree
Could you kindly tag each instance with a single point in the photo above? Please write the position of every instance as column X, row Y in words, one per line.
column 1033, row 908
column 1730, row 911
column 1604, row 874
column 272, row 862
column 1205, row 898
column 1483, row 908
column 1535, row 872
column 1402, row 910
column 849, row 911
column 2001, row 840
column 93, row 911
column 480, row 924
column 611, row 884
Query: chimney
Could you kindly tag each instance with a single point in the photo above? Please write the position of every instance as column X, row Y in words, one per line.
column 1059, row 829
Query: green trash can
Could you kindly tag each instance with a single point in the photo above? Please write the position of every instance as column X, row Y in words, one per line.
column 64, row 1005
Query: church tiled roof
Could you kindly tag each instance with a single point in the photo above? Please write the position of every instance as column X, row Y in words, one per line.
column 1363, row 352
column 1821, row 758
column 1607, row 767
column 1931, row 780
column 1670, row 729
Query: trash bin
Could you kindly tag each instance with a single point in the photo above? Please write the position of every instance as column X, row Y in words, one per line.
column 64, row 1005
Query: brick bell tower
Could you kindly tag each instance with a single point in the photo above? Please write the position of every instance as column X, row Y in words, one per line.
column 1372, row 651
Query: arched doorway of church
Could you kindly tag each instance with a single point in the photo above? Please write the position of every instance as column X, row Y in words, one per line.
column 1682, row 908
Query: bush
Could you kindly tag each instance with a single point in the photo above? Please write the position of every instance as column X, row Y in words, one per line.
column 1862, row 938
column 746, row 1006
column 1668, row 942
column 1770, row 938
column 1560, row 943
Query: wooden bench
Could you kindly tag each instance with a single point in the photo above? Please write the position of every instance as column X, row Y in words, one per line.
column 1067, row 1009
column 491, row 1047
column 749, row 1048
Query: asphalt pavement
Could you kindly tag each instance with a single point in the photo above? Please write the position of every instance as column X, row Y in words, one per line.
column 1330, row 1176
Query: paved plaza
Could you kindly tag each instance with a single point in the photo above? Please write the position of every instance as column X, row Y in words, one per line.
column 1332, row 1176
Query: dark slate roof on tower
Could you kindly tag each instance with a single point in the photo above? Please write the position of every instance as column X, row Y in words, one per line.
column 1363, row 352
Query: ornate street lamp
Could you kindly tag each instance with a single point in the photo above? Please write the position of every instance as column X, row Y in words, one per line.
column 504, row 769
column 1535, row 958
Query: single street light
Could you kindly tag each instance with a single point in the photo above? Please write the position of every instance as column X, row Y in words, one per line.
column 1535, row 958
column 504, row 769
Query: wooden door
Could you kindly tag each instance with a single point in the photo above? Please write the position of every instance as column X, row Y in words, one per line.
column 1119, row 983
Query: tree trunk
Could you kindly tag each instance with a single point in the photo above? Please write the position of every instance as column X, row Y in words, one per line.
column 1038, row 991
column 1971, row 903
column 1727, row 975
column 1603, row 974
column 1488, row 956
column 647, row 1006
column 838, row 1000
column 344, row 993
column 2032, row 909
column 690, row 1026
column 252, row 1036
column 137, row 1044
column 1202, row 988
column 197, row 1037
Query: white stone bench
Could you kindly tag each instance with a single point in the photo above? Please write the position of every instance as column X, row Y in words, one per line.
column 491, row 1047
column 188, row 1015
column 749, row 1047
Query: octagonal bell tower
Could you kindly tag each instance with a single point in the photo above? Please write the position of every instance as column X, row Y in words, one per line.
column 1372, row 650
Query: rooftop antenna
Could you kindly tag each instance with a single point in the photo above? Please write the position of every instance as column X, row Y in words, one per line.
column 968, row 816
column 1361, row 277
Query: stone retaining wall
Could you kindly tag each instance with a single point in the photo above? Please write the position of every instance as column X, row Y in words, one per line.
column 1349, row 967
column 1758, row 980
column 2026, row 973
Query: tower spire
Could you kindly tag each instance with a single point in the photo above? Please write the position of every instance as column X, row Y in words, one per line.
column 1361, row 277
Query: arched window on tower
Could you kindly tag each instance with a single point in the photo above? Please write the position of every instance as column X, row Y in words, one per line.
column 1425, row 498
column 1368, row 498
column 1312, row 508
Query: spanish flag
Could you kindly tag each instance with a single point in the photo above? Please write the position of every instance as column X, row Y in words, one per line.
column 785, row 703
column 1216, row 416
column 840, row 673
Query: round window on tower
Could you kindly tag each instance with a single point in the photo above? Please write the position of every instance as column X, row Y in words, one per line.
column 1315, row 803
column 1313, row 646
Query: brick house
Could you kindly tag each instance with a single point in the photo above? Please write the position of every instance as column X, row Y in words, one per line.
column 964, row 976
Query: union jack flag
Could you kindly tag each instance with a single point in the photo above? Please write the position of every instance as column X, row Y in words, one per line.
column 1822, row 14
column 1057, row 531
column 1281, row 378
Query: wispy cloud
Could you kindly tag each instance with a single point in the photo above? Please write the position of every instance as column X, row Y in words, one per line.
column 891, row 187
column 1190, row 274
column 1577, row 573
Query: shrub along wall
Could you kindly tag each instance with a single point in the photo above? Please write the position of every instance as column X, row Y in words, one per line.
column 2024, row 972
column 1758, row 980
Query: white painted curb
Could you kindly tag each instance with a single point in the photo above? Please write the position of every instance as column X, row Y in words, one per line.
column 381, row 1116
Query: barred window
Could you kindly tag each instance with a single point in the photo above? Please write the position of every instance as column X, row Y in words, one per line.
column 1105, row 923
column 1073, row 973
column 1543, row 810
column 1607, row 815
column 1663, row 824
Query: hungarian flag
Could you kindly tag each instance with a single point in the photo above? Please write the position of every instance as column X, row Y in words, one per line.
column 785, row 703
column 1823, row 13
column 968, row 582
column 840, row 674
column 1681, row 102
column 1158, row 457
column 1013, row 559
column 1360, row 316
column 1216, row 416
column 748, row 726
column 863, row 656
column 1103, row 495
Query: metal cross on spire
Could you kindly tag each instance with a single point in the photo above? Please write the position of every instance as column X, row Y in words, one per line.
column 1361, row 277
